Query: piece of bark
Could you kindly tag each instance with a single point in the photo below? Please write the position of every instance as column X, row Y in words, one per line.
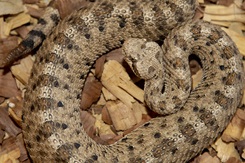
column 205, row 158
column 30, row 1
column 106, row 116
column 66, row 7
column 9, row 151
column 99, row 66
column 97, row 109
column 91, row 92
column 8, row 87
column 116, row 55
column 199, row 13
column 233, row 160
column 88, row 122
column 240, row 146
column 243, row 5
column 23, row 31
column 35, row 12
column 22, row 148
column 225, row 2
column 194, row 66
column 2, row 134
column 243, row 154
column 7, row 124
column 6, row 45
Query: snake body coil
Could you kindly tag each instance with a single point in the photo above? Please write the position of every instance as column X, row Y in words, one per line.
column 51, row 116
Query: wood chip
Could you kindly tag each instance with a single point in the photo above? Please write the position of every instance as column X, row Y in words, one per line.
column 235, row 129
column 121, row 115
column 11, row 7
column 8, row 124
column 17, row 21
column 117, row 81
column 238, row 39
column 91, row 92
column 225, row 150
column 22, row 71
column 108, row 95
column 8, row 86
column 225, row 2
column 120, row 94
column 205, row 158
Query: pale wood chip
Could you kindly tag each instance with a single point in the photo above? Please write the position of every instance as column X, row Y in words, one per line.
column 103, row 129
column 17, row 21
column 223, row 13
column 233, row 131
column 227, row 24
column 121, row 115
column 108, row 95
column 11, row 7
column 197, row 78
column 238, row 39
column 243, row 154
column 117, row 81
column 22, row 71
column 15, row 110
column 225, row 150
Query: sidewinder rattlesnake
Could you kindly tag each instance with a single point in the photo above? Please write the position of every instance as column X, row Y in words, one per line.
column 51, row 116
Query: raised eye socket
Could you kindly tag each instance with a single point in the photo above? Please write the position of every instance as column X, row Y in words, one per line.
column 133, row 59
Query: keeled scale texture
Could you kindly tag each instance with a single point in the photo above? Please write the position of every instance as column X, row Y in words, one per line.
column 51, row 116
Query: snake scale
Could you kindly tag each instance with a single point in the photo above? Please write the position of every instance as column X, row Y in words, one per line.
column 52, row 128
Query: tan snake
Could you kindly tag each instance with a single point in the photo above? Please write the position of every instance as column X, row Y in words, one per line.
column 51, row 117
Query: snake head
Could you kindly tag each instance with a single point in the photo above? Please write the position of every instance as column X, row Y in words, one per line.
column 143, row 57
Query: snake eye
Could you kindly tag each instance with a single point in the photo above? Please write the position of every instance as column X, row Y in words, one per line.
column 133, row 59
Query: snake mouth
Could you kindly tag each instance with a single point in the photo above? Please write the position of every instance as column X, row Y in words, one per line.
column 132, row 64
